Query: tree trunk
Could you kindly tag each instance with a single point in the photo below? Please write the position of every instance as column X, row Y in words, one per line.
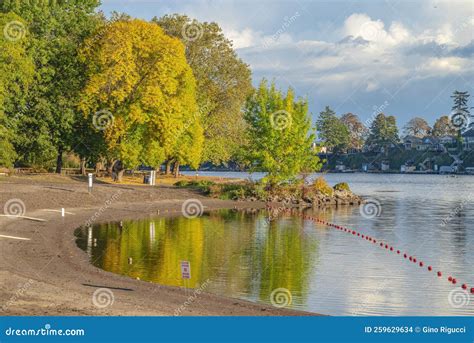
column 97, row 167
column 176, row 169
column 83, row 166
column 110, row 165
column 59, row 160
column 168, row 167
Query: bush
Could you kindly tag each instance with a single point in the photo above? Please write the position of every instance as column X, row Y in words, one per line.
column 203, row 186
column 320, row 185
column 342, row 186
column 234, row 192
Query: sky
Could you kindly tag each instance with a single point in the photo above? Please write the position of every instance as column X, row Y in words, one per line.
column 402, row 58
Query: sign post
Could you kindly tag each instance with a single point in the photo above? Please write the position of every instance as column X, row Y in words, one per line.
column 90, row 178
column 185, row 272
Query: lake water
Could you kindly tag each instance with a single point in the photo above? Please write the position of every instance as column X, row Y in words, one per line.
column 242, row 255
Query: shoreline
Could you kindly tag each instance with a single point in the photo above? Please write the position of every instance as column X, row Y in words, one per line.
column 50, row 275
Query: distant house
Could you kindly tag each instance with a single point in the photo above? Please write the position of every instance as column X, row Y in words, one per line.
column 431, row 143
column 447, row 140
column 385, row 165
column 340, row 166
column 447, row 169
column 468, row 139
column 411, row 142
column 407, row 168
column 319, row 148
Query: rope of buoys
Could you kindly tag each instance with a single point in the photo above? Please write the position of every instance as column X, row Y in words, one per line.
column 382, row 245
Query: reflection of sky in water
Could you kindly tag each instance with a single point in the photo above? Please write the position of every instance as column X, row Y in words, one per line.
column 327, row 271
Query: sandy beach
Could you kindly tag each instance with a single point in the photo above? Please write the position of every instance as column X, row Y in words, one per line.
column 49, row 275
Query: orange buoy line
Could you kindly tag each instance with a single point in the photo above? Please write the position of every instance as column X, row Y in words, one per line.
column 385, row 246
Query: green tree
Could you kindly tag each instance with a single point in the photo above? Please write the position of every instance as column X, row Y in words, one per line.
column 223, row 83
column 460, row 115
column 334, row 133
column 417, row 127
column 279, row 134
column 357, row 131
column 383, row 131
column 140, row 93
column 443, row 127
column 16, row 73
column 460, row 101
column 56, row 29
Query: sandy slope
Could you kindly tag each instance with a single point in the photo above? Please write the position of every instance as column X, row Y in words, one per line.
column 50, row 275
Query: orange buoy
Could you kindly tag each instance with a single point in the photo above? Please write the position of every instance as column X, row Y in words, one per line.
column 454, row 281
column 430, row 268
column 464, row 286
column 450, row 278
column 440, row 274
column 421, row 264
column 472, row 290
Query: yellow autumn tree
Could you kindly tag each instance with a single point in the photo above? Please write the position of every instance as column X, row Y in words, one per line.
column 141, row 94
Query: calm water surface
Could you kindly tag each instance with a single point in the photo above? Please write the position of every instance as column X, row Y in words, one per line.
column 242, row 255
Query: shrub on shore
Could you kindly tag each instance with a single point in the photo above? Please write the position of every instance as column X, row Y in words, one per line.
column 320, row 185
column 342, row 186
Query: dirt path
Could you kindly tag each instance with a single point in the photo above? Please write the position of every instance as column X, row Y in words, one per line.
column 49, row 275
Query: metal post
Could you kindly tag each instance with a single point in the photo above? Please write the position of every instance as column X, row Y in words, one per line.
column 90, row 178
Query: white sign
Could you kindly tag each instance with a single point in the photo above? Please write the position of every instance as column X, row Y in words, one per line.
column 90, row 181
column 185, row 270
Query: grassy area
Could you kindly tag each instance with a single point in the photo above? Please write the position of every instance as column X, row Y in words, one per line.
column 127, row 179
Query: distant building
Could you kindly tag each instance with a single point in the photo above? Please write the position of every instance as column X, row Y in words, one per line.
column 468, row 139
column 447, row 140
column 407, row 168
column 430, row 143
column 385, row 165
column 340, row 166
column 411, row 142
column 447, row 169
